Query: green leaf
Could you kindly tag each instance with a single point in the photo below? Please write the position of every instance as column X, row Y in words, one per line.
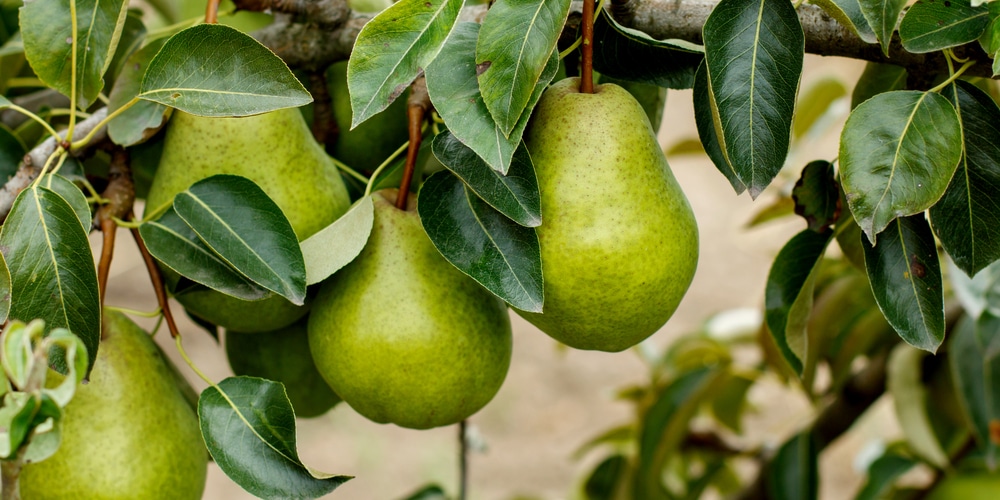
column 848, row 13
column 515, row 43
column 52, row 268
column 499, row 254
column 16, row 417
column 240, row 223
column 5, row 290
column 393, row 48
column 47, row 31
column 144, row 118
column 794, row 472
column 904, row 382
column 515, row 195
column 18, row 354
column 706, row 118
column 882, row 16
column 815, row 103
column 73, row 195
column 454, row 90
column 789, row 293
column 898, row 151
column 931, row 25
column 817, row 195
column 875, row 79
column 215, row 70
column 905, row 276
column 172, row 242
column 132, row 38
column 336, row 245
column 965, row 217
column 429, row 492
column 882, row 473
column 730, row 401
column 974, row 365
column 12, row 150
column 753, row 55
column 629, row 54
column 249, row 428
column 75, row 352
column 603, row 482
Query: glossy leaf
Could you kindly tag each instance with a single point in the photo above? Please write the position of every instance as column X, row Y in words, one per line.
column 965, row 217
column 882, row 16
column 144, row 118
column 336, row 245
column 73, row 195
column 516, row 40
column 215, row 70
column 172, row 242
column 12, row 150
column 52, row 269
column 974, row 364
column 876, row 79
column 47, row 32
column 753, row 54
column 898, row 151
column 909, row 394
column 817, row 195
column 249, row 428
column 454, row 90
column 499, row 254
column 629, row 54
column 882, row 473
column 709, row 129
column 393, row 48
column 848, row 13
column 240, row 223
column 931, row 25
column 789, row 293
column 794, row 472
column 905, row 277
column 515, row 195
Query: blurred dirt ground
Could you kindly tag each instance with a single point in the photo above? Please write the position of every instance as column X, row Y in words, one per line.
column 554, row 400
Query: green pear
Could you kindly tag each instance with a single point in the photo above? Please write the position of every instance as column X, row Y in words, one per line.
column 277, row 151
column 402, row 335
column 967, row 486
column 619, row 243
column 283, row 356
column 128, row 433
column 370, row 143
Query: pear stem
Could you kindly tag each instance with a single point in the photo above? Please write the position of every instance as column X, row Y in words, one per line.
column 463, row 461
column 120, row 195
column 418, row 104
column 154, row 276
column 212, row 11
column 587, row 49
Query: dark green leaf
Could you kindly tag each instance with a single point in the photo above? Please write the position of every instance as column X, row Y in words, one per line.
column 882, row 16
column 817, row 195
column 898, row 151
column 172, row 242
column 499, row 254
column 604, row 481
column 52, row 268
column 904, row 382
column 905, row 276
column 990, row 40
column 336, row 245
column 215, row 70
column 144, row 118
column 12, row 150
column 73, row 195
column 875, row 79
column 973, row 370
column 240, row 223
column 848, row 13
column 515, row 43
column 431, row 492
column 882, row 473
column 707, row 120
column 753, row 55
column 931, row 25
column 965, row 217
column 514, row 195
column 454, row 90
column 789, row 293
column 730, row 401
column 629, row 54
column 47, row 30
column 393, row 48
column 249, row 428
column 794, row 472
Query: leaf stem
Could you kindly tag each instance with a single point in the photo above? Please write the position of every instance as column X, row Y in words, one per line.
column 103, row 123
column 953, row 77
column 48, row 128
column 212, row 12
column 10, row 471
column 386, row 163
column 157, row 280
column 135, row 312
column 201, row 375
column 348, row 170
column 75, row 35
column 587, row 51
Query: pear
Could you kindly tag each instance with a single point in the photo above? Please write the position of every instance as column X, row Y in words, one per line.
column 402, row 335
column 619, row 243
column 365, row 147
column 277, row 151
column 128, row 433
column 283, row 356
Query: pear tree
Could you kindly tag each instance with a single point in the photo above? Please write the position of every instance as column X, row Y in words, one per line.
column 309, row 168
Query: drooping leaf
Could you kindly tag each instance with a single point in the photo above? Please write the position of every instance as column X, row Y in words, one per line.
column 794, row 472
column 47, row 32
column 336, row 245
column 515, row 195
column 52, row 268
column 144, row 118
column 629, row 54
column 393, row 48
column 454, row 90
column 730, row 401
column 817, row 195
column 12, row 150
column 240, row 223
column 709, row 129
column 172, row 242
column 931, row 25
column 964, row 219
column 882, row 16
column 132, row 36
column 882, row 473
column 215, row 70
column 898, row 152
column 876, row 79
column 515, row 43
column 249, row 428
column 905, row 277
column 495, row 251
column 73, row 195
column 904, row 382
column 848, row 13
column 973, row 370
column 753, row 55
column 789, row 293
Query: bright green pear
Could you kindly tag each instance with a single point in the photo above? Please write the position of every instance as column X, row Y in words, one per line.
column 283, row 356
column 967, row 486
column 402, row 335
column 277, row 151
column 128, row 433
column 619, row 243
column 369, row 144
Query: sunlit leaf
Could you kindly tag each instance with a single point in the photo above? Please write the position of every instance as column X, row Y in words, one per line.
column 336, row 245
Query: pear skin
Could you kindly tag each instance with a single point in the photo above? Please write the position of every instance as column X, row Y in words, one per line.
column 619, row 242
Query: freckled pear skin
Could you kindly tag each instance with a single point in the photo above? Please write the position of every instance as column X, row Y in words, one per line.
column 404, row 337
column 619, row 242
